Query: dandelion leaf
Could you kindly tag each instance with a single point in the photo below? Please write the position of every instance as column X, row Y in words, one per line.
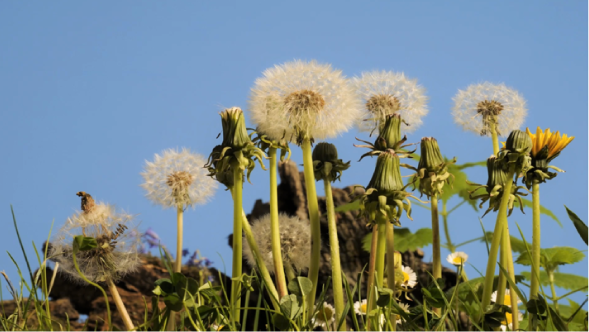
column 405, row 240
column 579, row 224
column 563, row 280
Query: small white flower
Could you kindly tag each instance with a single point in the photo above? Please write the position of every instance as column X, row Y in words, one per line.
column 506, row 298
column 361, row 307
column 409, row 277
column 405, row 308
column 178, row 179
column 295, row 242
column 458, row 258
column 475, row 107
column 384, row 93
column 325, row 317
column 303, row 99
column 509, row 321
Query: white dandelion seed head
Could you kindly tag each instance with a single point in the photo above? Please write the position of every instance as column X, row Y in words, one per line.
column 405, row 308
column 177, row 178
column 303, row 98
column 471, row 104
column 506, row 298
column 409, row 277
column 295, row 241
column 325, row 316
column 118, row 243
column 386, row 92
column 457, row 258
column 360, row 307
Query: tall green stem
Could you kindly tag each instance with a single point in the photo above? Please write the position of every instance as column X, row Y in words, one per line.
column 390, row 257
column 554, row 297
column 494, row 137
column 499, row 226
column 437, row 258
column 108, row 316
column 371, row 280
column 275, row 227
column 237, row 240
column 120, row 306
column 380, row 250
column 314, row 216
column 179, row 220
column 535, row 285
column 336, row 269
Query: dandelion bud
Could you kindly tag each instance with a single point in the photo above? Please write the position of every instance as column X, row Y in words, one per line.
column 325, row 163
column 295, row 242
column 388, row 138
column 235, row 133
column 432, row 170
column 519, row 142
column 387, row 174
column 390, row 133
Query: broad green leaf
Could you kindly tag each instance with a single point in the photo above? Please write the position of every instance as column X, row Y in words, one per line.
column 289, row 306
column 405, row 240
column 300, row 286
column 517, row 245
column 352, row 206
column 543, row 210
column 579, row 224
column 551, row 257
column 472, row 164
column 563, row 280
column 174, row 302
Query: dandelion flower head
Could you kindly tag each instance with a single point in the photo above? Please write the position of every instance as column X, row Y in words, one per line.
column 457, row 258
column 300, row 99
column 554, row 142
column 118, row 244
column 386, row 92
column 481, row 105
column 409, row 277
column 325, row 316
column 295, row 242
column 177, row 178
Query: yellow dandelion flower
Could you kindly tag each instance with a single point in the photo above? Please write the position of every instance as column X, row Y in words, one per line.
column 554, row 142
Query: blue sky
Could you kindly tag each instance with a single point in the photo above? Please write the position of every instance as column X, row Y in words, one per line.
column 90, row 90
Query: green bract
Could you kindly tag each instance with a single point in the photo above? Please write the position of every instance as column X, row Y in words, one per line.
column 432, row 170
column 517, row 152
column 237, row 149
column 495, row 185
column 326, row 166
column 389, row 138
column 265, row 143
column 539, row 168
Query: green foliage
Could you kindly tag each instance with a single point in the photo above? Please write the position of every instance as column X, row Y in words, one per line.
column 579, row 224
column 517, row 245
column 563, row 280
column 405, row 240
column 552, row 257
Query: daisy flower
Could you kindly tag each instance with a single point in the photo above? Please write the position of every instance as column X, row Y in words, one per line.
column 325, row 317
column 509, row 321
column 177, row 178
column 303, row 100
column 458, row 258
column 481, row 105
column 295, row 241
column 409, row 277
column 361, row 307
column 506, row 299
column 405, row 308
column 386, row 92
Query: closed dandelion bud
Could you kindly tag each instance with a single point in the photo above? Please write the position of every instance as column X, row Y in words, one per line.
column 389, row 137
column 432, row 170
column 326, row 165
column 391, row 130
column 237, row 149
column 517, row 151
column 497, row 178
column 295, row 242
column 546, row 147
column 387, row 174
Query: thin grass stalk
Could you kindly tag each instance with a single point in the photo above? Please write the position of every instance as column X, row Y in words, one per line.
column 97, row 286
column 179, row 222
column 275, row 227
column 237, row 241
column 446, row 229
column 336, row 269
column 371, row 303
column 120, row 306
column 554, row 297
column 495, row 243
column 314, row 216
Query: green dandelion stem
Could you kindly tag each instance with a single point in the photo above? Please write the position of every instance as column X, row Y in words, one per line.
column 535, row 284
column 437, row 260
column 494, row 137
column 391, row 256
column 179, row 220
column 313, row 207
column 371, row 267
column 336, row 269
column 550, row 273
column 237, row 239
column 275, row 227
column 120, row 306
column 381, row 249
column 495, row 243
column 108, row 316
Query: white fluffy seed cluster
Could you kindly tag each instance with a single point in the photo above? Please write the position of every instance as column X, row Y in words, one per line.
column 295, row 241
column 466, row 114
column 117, row 239
column 306, row 97
column 177, row 178
column 410, row 96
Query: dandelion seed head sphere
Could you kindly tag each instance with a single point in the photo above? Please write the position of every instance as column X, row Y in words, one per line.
column 295, row 242
column 178, row 178
column 384, row 93
column 118, row 243
column 302, row 99
column 476, row 107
